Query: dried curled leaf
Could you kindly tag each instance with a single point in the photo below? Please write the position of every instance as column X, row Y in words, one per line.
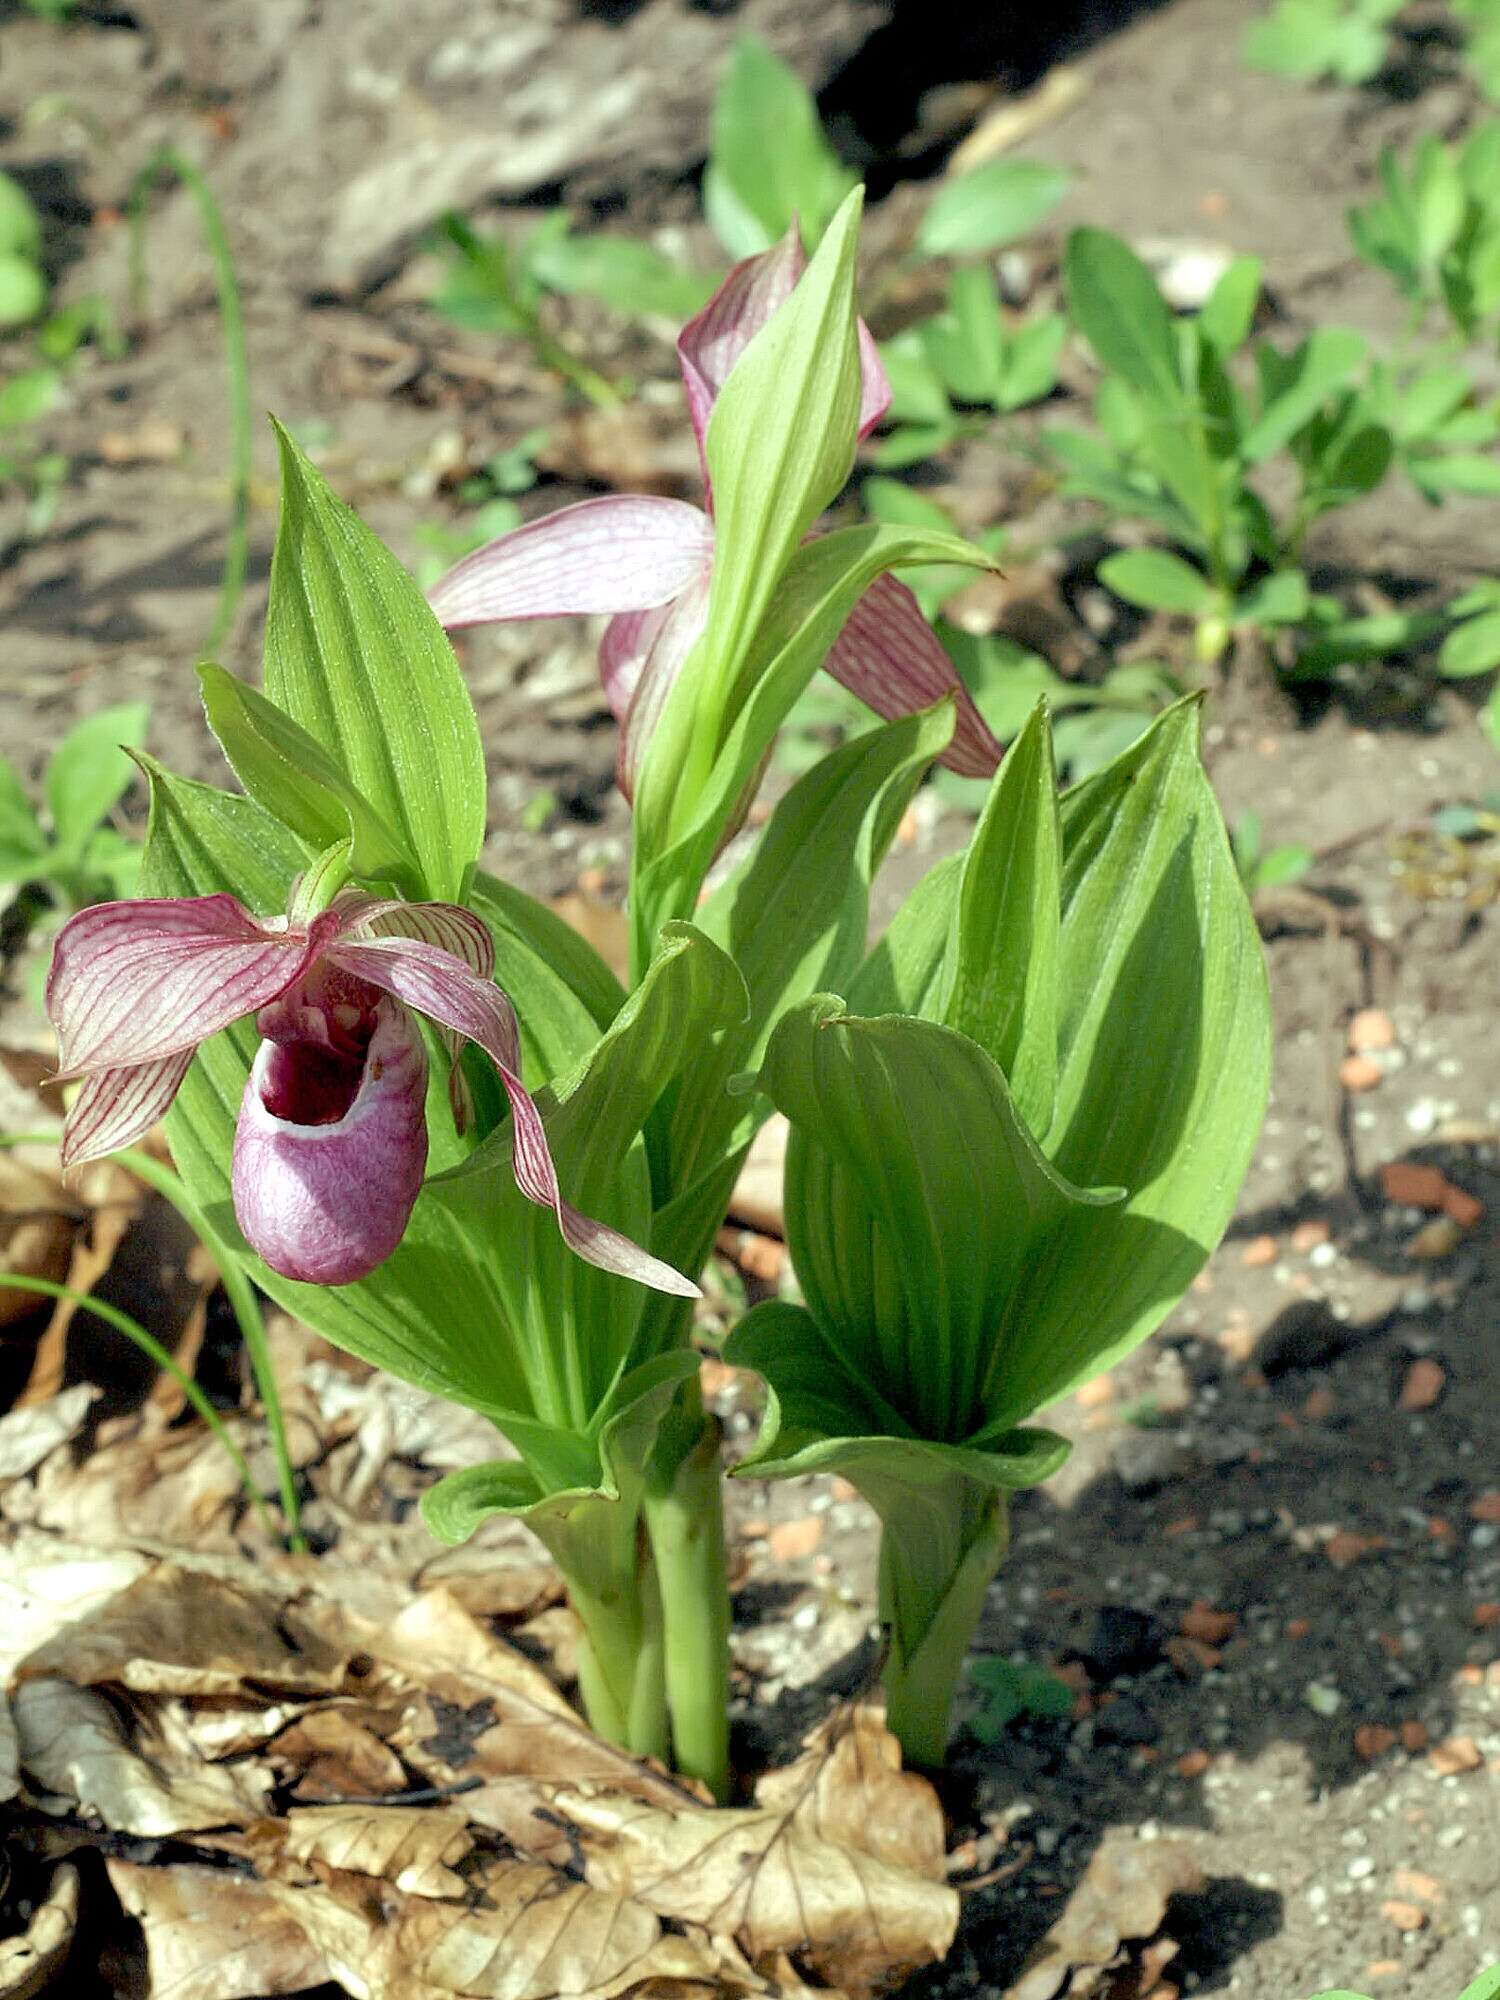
column 762, row 1878
column 28, row 1962
column 1122, row 1898
column 211, row 1935
column 73, row 1745
column 848, row 1787
column 187, row 1632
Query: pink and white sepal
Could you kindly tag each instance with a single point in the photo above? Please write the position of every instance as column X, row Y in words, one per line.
column 331, row 1142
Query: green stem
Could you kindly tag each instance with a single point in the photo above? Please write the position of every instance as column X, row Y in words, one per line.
column 685, row 1520
column 614, row 1595
column 932, row 1589
column 236, row 355
column 600, row 1546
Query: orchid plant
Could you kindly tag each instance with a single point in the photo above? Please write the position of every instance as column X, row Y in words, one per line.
column 432, row 1123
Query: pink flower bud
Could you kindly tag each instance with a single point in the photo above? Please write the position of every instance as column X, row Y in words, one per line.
column 330, row 1150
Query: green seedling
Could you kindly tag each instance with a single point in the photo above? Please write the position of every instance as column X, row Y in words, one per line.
column 1010, row 1692
column 1344, row 41
column 1181, row 444
column 1435, row 229
column 772, row 167
column 953, row 372
column 72, row 848
column 1096, row 720
column 1263, row 867
column 495, row 286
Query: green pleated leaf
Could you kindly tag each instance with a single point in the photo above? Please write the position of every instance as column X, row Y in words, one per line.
column 1164, row 1064
column 356, row 657
column 1004, row 993
column 794, row 915
column 547, row 936
column 916, row 1200
column 294, row 777
column 942, row 1507
column 910, row 970
column 90, row 770
column 594, row 1115
column 556, row 1473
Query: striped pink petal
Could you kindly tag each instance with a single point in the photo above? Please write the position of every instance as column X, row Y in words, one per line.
column 714, row 339
column 435, row 985
column 890, row 657
column 624, row 552
column 115, row 1107
column 134, row 982
column 452, row 929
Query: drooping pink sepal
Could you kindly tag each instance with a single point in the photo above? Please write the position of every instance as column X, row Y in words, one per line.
column 890, row 657
column 326, row 1202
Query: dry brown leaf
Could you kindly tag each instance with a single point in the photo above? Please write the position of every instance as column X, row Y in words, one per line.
column 46, row 1584
column 185, row 1632
column 113, row 1200
column 1123, row 1896
column 516, row 1723
column 534, row 1936
column 73, row 1745
column 414, row 1848
column 213, row 1935
column 495, row 1583
column 174, row 1487
column 27, row 1436
column 336, row 1755
column 28, row 1962
column 770, row 1883
column 848, row 1787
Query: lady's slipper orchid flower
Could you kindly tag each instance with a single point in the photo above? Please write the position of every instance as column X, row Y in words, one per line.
column 645, row 560
column 332, row 1137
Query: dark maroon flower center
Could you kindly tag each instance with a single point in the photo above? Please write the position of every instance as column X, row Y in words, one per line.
column 320, row 1031
column 307, row 1085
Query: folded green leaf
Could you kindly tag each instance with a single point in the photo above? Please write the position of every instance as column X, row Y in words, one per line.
column 89, row 771
column 297, row 780
column 916, row 1199
column 991, row 206
column 356, row 657
column 1005, row 965
column 794, row 915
